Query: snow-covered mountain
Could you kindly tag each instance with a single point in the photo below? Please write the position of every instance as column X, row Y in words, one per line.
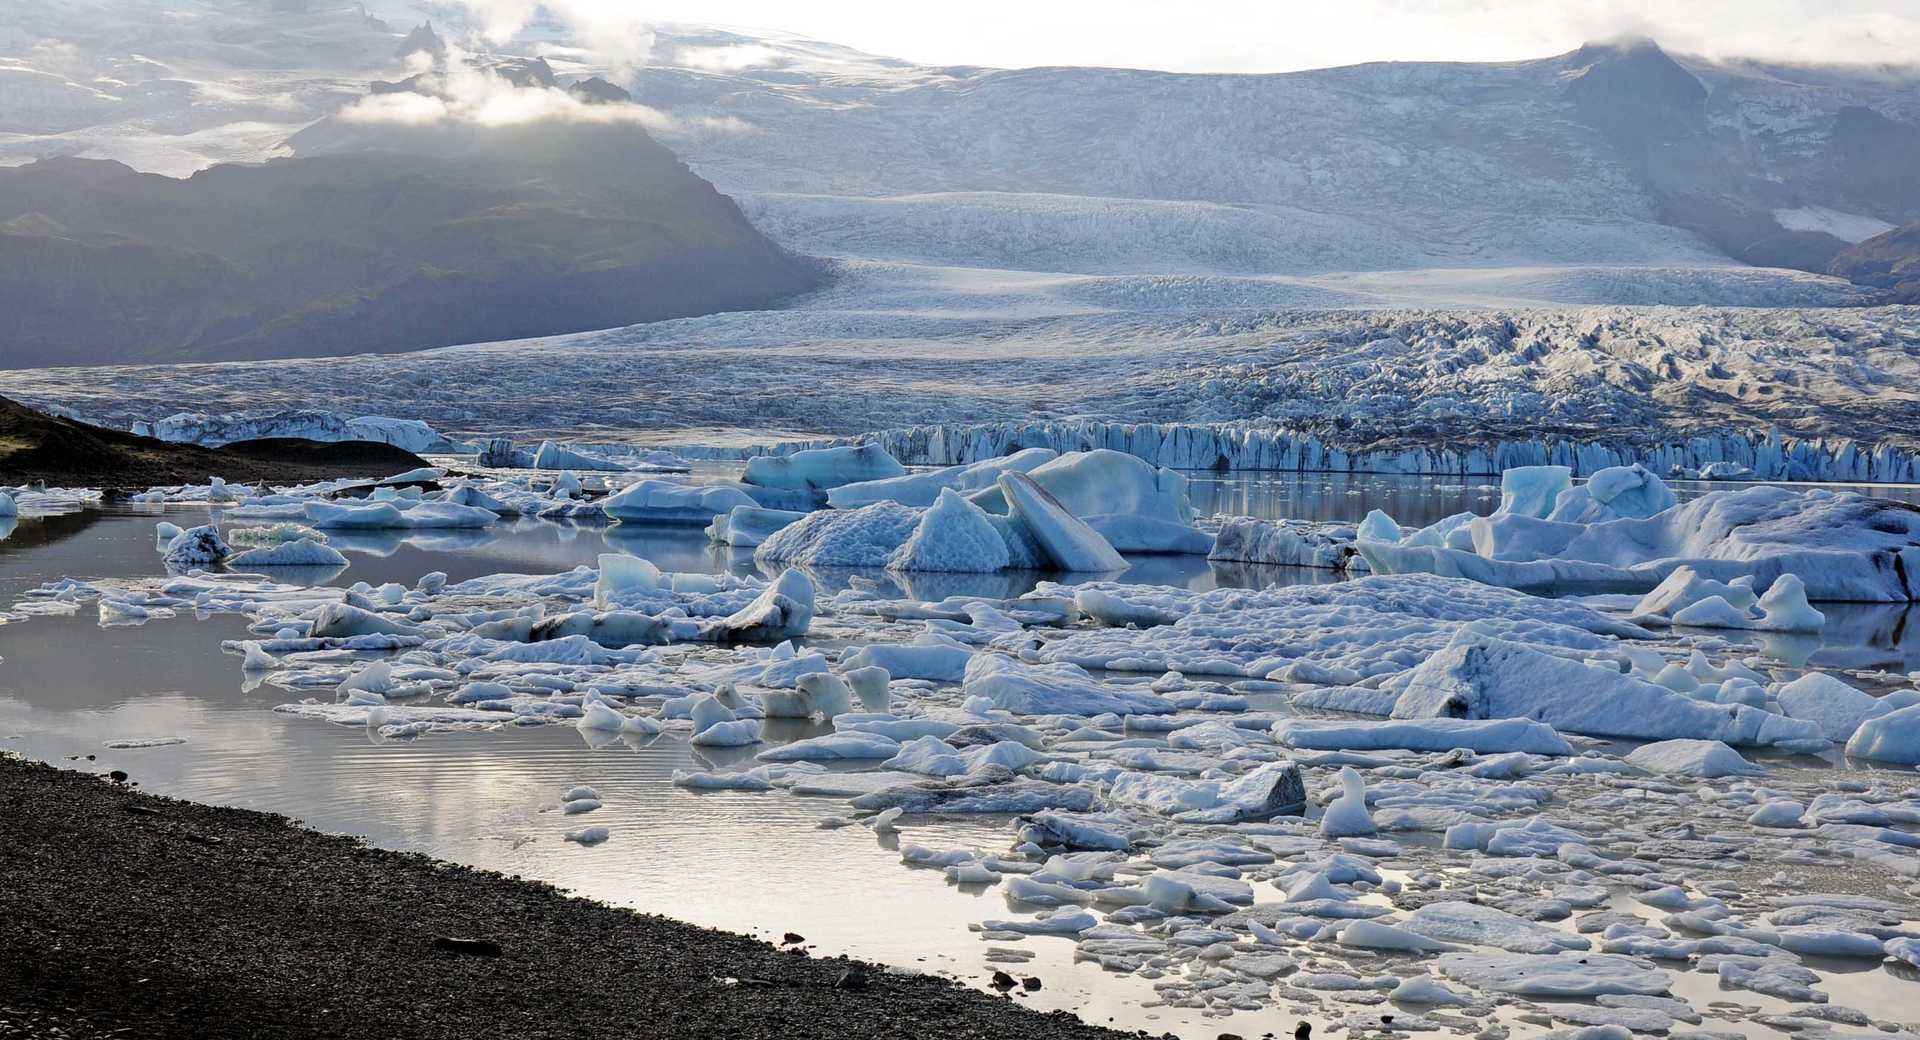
column 1614, row 153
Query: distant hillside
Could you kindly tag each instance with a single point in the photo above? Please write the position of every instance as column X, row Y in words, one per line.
column 1890, row 262
column 38, row 446
column 371, row 239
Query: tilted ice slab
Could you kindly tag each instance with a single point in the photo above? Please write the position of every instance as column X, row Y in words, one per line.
column 1332, row 633
column 1844, row 546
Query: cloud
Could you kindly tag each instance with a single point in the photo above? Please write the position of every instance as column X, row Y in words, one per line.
column 1243, row 35
column 464, row 93
column 727, row 59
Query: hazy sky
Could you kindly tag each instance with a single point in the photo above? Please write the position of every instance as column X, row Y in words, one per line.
column 1275, row 35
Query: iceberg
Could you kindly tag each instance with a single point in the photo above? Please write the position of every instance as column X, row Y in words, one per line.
column 1846, row 547
column 1101, row 483
column 195, row 546
column 1346, row 816
column 387, row 515
column 1697, row 758
column 783, row 611
column 668, row 502
column 1481, row 736
column 559, row 456
column 821, row 469
column 1269, row 790
column 1838, row 709
column 1288, row 543
column 1533, row 490
column 922, row 489
column 1892, row 737
column 213, row 431
column 1478, row 676
column 952, row 535
column 1067, row 541
column 1053, row 690
column 1616, row 493
column 301, row 552
column 747, row 527
column 864, row 537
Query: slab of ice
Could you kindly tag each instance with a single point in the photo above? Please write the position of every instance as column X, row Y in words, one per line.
column 1025, row 689
column 1484, row 736
column 1893, row 737
column 1838, row 709
column 668, row 502
column 1533, row 490
column 1615, row 493
column 1697, row 758
column 342, row 620
column 937, row 662
column 1286, row 543
column 820, row 469
column 745, row 527
column 387, row 515
column 1064, row 538
column 302, row 552
column 1101, row 483
column 1269, row 790
column 864, row 537
column 1478, row 676
column 1846, row 547
column 1566, row 974
column 1355, row 629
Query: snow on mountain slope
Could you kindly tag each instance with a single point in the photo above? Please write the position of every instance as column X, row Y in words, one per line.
column 1370, row 167
column 177, row 88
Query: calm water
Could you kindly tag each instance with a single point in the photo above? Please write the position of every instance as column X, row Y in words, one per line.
column 749, row 862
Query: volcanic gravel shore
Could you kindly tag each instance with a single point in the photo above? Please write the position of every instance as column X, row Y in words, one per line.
column 126, row 914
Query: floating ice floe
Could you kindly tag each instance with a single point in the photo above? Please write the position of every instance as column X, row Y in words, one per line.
column 822, row 469
column 1844, row 546
column 302, row 552
column 1288, row 543
column 666, row 502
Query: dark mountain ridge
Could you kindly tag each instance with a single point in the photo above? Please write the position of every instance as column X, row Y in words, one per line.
column 372, row 238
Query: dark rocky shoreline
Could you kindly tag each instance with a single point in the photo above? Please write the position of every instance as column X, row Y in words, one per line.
column 126, row 914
